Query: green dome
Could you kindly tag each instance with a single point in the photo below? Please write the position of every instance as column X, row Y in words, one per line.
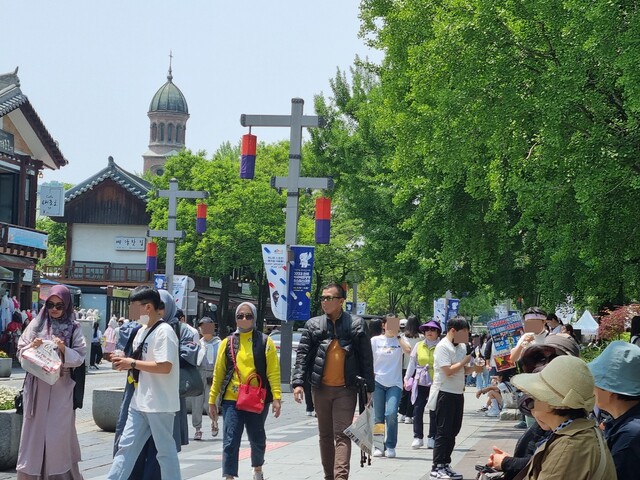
column 169, row 98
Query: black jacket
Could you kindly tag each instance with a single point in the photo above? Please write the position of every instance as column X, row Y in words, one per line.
column 351, row 332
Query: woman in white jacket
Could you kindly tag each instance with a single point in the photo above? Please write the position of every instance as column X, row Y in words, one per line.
column 207, row 354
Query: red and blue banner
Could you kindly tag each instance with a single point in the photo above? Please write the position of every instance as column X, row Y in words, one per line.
column 248, row 156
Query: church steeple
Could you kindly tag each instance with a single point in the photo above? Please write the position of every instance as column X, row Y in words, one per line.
column 168, row 115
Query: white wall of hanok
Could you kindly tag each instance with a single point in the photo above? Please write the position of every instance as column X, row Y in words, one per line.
column 96, row 243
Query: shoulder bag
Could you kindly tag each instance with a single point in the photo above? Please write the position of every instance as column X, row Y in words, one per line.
column 250, row 398
column 78, row 374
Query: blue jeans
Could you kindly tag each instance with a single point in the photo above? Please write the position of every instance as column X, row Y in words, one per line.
column 385, row 409
column 482, row 379
column 234, row 422
column 140, row 426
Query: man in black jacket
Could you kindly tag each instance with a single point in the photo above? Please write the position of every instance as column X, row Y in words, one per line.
column 334, row 350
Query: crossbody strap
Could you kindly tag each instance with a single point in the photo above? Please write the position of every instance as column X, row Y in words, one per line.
column 603, row 453
column 138, row 350
column 233, row 357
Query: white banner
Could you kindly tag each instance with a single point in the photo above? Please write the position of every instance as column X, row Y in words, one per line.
column 275, row 265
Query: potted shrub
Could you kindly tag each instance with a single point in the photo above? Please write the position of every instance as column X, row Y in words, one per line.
column 10, row 426
column 6, row 362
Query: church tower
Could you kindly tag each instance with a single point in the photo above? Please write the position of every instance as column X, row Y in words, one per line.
column 168, row 115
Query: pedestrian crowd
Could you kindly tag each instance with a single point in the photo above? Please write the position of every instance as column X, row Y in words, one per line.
column 581, row 420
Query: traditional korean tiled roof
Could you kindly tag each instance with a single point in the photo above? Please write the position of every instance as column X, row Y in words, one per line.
column 12, row 98
column 132, row 183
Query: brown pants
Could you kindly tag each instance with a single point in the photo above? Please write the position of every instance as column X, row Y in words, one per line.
column 335, row 407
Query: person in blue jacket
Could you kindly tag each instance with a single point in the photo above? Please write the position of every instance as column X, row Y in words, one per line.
column 617, row 388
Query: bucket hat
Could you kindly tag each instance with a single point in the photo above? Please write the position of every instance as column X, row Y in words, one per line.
column 565, row 382
column 616, row 369
column 432, row 323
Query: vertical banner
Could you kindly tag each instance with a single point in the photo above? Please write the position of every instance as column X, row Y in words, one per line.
column 180, row 291
column 275, row 265
column 440, row 312
column 444, row 309
column 300, row 274
column 505, row 333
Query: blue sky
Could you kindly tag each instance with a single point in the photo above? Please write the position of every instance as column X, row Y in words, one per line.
column 91, row 68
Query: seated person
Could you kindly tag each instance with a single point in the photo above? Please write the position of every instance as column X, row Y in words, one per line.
column 616, row 372
column 499, row 393
column 533, row 360
column 561, row 397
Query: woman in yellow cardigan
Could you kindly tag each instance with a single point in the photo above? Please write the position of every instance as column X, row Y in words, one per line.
column 254, row 352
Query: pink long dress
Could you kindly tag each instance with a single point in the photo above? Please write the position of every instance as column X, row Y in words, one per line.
column 49, row 448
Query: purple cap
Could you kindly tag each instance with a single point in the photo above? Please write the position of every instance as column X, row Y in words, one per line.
column 431, row 323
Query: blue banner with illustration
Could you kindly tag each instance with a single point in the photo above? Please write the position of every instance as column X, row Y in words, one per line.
column 505, row 333
column 299, row 285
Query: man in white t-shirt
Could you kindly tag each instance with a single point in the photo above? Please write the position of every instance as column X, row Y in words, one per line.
column 451, row 359
column 535, row 320
column 155, row 399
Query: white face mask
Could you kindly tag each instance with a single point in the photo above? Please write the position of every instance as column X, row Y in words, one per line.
column 143, row 320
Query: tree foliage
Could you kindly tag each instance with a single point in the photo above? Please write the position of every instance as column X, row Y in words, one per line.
column 496, row 145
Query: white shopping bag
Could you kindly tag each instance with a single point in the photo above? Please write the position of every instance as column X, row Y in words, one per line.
column 361, row 430
column 43, row 362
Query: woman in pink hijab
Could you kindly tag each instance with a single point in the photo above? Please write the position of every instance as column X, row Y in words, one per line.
column 49, row 448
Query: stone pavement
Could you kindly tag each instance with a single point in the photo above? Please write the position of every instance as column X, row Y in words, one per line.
column 292, row 447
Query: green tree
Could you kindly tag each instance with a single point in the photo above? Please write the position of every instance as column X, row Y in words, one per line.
column 241, row 215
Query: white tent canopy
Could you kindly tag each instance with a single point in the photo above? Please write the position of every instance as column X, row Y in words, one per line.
column 587, row 324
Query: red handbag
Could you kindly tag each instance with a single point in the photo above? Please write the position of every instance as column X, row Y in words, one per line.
column 250, row 398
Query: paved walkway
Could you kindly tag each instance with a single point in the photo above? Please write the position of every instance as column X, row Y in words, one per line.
column 292, row 449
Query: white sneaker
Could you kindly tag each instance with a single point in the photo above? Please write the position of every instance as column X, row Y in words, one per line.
column 440, row 473
column 408, row 420
column 494, row 411
column 391, row 453
column 401, row 419
column 258, row 475
column 378, row 453
column 431, row 442
column 310, row 414
column 417, row 443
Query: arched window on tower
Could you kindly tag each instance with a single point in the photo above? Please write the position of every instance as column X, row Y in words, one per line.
column 179, row 134
column 161, row 135
column 170, row 133
column 154, row 132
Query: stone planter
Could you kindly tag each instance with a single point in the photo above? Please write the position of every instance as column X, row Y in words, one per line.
column 106, row 407
column 11, row 428
column 5, row 367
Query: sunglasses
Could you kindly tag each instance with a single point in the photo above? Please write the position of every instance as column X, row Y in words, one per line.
column 328, row 298
column 54, row 306
column 526, row 405
column 242, row 316
column 431, row 329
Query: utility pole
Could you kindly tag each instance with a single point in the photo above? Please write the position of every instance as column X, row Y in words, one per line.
column 292, row 183
column 172, row 233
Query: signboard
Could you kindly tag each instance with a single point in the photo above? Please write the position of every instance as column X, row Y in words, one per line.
column 28, row 238
column 505, row 333
column 275, row 265
column 6, row 142
column 361, row 309
column 52, row 201
column 299, row 287
column 130, row 243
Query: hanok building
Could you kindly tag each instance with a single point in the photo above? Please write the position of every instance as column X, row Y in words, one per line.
column 26, row 148
column 107, row 220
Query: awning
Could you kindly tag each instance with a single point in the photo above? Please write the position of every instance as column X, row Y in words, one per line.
column 46, row 284
column 18, row 263
column 6, row 274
